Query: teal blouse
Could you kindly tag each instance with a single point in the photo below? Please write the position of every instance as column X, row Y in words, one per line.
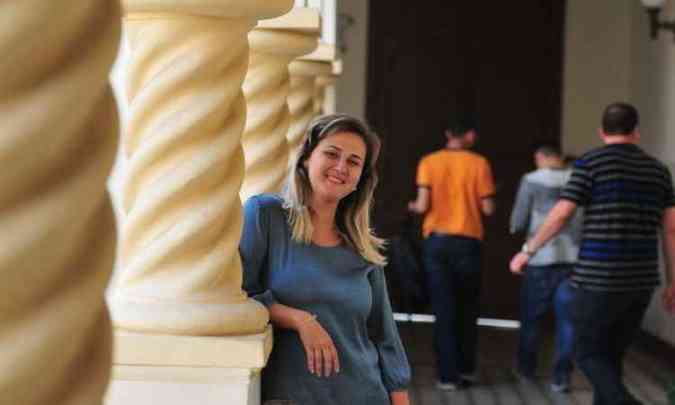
column 349, row 297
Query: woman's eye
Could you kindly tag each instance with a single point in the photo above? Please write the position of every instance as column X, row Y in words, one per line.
column 331, row 154
column 355, row 163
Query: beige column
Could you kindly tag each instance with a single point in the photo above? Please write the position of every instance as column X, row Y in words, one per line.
column 58, row 137
column 266, row 88
column 326, row 54
column 301, row 98
column 179, row 288
column 325, row 89
column 320, row 85
column 179, row 260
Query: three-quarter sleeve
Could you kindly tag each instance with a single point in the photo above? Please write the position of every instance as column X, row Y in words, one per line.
column 253, row 249
column 520, row 216
column 394, row 366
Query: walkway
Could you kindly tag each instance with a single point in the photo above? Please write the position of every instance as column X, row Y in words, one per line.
column 498, row 385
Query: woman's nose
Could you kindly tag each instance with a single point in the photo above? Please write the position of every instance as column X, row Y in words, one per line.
column 342, row 166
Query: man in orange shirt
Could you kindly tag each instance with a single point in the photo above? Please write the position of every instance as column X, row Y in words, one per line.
column 455, row 189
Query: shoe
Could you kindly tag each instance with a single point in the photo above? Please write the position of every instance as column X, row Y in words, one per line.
column 562, row 387
column 523, row 376
column 470, row 377
column 453, row 386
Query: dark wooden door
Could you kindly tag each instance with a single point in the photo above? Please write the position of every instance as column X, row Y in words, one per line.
column 501, row 61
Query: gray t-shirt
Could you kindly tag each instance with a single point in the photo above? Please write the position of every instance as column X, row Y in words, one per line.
column 539, row 191
column 347, row 294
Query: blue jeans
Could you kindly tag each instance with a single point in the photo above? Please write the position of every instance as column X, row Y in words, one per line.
column 453, row 271
column 545, row 287
column 605, row 326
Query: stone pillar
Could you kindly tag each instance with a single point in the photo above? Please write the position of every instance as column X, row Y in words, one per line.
column 180, row 272
column 323, row 83
column 266, row 88
column 178, row 291
column 58, row 138
column 301, row 98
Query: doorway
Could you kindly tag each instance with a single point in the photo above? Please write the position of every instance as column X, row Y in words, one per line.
column 500, row 61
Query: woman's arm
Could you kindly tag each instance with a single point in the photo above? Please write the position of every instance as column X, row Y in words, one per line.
column 383, row 332
column 322, row 356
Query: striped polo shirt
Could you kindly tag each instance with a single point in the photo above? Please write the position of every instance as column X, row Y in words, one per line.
column 624, row 192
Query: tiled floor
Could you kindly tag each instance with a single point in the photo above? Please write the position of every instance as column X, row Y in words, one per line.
column 645, row 374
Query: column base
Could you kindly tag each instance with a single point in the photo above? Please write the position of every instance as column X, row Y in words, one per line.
column 182, row 370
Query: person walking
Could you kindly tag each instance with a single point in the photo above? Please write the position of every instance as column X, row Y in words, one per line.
column 546, row 277
column 455, row 189
column 628, row 198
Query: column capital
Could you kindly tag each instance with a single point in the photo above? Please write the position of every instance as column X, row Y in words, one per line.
column 283, row 43
column 307, row 68
column 300, row 19
column 323, row 53
column 253, row 9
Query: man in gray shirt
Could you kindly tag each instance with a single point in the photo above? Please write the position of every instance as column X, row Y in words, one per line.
column 546, row 277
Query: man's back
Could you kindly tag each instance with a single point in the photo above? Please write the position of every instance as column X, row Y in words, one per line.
column 458, row 180
column 538, row 193
column 625, row 192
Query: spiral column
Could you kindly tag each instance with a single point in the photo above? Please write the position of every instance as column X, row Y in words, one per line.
column 301, row 98
column 266, row 89
column 180, row 267
column 58, row 139
column 322, row 84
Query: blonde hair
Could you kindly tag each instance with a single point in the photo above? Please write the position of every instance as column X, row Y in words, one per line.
column 353, row 213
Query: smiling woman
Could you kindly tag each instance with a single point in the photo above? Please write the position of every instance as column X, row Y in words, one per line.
column 311, row 258
column 332, row 139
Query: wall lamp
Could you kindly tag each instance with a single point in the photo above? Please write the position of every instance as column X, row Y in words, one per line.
column 653, row 9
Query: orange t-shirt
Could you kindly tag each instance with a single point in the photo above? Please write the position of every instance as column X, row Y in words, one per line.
column 458, row 180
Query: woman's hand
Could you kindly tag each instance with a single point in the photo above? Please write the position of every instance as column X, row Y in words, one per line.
column 322, row 356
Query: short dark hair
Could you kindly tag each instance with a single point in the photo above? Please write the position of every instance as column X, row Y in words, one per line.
column 548, row 149
column 460, row 125
column 620, row 119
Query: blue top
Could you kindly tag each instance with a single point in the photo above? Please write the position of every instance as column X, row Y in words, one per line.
column 347, row 294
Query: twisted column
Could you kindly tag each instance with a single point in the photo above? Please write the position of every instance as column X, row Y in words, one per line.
column 58, row 139
column 266, row 88
column 320, row 86
column 179, row 260
column 301, row 98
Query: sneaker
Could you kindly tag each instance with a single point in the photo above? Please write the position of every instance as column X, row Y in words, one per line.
column 453, row 386
column 522, row 376
column 562, row 387
column 470, row 377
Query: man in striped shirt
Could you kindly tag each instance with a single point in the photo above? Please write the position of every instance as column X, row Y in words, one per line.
column 628, row 197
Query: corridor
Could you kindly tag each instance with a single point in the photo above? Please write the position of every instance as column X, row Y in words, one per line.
column 646, row 375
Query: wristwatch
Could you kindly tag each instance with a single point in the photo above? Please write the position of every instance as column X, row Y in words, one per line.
column 526, row 249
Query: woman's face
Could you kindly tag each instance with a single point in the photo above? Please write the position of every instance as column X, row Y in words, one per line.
column 335, row 165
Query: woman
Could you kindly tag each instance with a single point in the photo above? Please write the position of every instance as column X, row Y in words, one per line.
column 310, row 257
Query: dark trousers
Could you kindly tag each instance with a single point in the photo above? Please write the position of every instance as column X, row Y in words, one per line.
column 605, row 326
column 543, row 288
column 452, row 264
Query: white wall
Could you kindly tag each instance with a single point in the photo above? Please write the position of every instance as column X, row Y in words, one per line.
column 653, row 92
column 351, row 85
column 597, row 67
